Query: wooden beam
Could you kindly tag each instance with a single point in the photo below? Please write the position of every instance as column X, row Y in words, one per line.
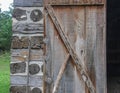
column 74, row 2
column 62, row 69
column 77, row 61
column 99, row 4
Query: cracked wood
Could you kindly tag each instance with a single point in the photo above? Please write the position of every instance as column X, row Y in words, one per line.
column 77, row 61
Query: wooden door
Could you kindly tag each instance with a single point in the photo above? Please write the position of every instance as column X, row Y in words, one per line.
column 75, row 46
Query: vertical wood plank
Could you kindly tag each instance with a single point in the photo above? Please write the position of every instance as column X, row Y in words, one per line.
column 60, row 74
column 100, row 53
column 84, row 36
column 80, row 44
column 59, row 57
column 49, row 48
column 90, row 40
column 64, row 85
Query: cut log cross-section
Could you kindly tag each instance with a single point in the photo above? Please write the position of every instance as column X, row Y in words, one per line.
column 77, row 62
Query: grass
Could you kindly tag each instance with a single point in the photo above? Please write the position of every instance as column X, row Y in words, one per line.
column 4, row 72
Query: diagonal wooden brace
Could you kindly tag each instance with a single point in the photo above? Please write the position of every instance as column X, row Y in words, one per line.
column 77, row 61
column 62, row 69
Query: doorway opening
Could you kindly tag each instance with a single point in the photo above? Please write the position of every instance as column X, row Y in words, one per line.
column 113, row 46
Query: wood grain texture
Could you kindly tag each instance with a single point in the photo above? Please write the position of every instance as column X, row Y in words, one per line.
column 80, row 45
column 60, row 74
column 20, row 43
column 49, row 34
column 100, row 58
column 74, row 2
column 18, row 67
column 27, row 47
column 54, row 61
column 19, row 55
column 19, row 89
column 36, row 54
column 24, row 3
column 68, row 45
column 91, row 14
column 80, row 24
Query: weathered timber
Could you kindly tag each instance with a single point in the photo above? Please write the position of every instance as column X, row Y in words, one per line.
column 20, row 43
column 62, row 69
column 36, row 81
column 36, row 15
column 100, row 56
column 30, row 3
column 28, row 15
column 36, row 90
column 37, row 42
column 74, row 2
column 80, row 44
column 74, row 56
column 48, row 57
column 18, row 67
column 27, row 25
column 19, row 14
column 18, row 80
column 19, row 55
column 27, row 28
column 27, row 47
column 34, row 69
column 91, row 13
column 36, row 54
column 19, row 89
column 67, row 83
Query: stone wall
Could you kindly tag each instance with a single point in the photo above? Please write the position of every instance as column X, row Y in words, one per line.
column 27, row 47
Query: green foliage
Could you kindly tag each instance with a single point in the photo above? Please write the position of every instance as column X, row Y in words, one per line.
column 4, row 72
column 5, row 29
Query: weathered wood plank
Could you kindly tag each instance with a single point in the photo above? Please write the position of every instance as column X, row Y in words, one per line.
column 18, row 80
column 77, row 61
column 27, row 28
column 75, row 2
column 49, row 37
column 24, row 3
column 91, row 30
column 55, row 60
column 100, row 56
column 27, row 47
column 61, row 71
column 36, row 54
column 19, row 55
column 36, row 81
column 80, row 44
column 67, row 82
column 58, row 57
